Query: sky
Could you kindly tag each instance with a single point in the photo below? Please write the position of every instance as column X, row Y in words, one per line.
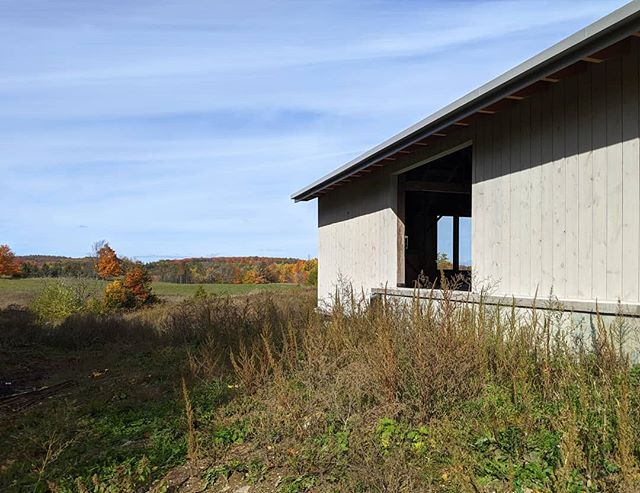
column 180, row 128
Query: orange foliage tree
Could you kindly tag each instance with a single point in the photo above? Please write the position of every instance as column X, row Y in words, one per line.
column 138, row 282
column 109, row 264
column 253, row 276
column 8, row 264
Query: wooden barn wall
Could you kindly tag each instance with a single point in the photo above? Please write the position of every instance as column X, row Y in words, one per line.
column 357, row 236
column 555, row 197
column 360, row 232
column 556, row 193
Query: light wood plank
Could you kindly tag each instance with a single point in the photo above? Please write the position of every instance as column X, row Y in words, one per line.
column 495, row 208
column 559, row 281
column 535, row 190
column 546, row 280
column 524, row 194
column 585, row 188
column 571, row 186
column 631, row 178
column 505, row 207
column 477, row 206
column 515, row 191
column 614, row 178
column 599, row 142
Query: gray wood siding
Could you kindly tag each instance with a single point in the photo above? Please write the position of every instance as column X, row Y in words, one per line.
column 357, row 242
column 556, row 197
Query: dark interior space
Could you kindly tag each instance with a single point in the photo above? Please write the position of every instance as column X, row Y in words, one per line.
column 427, row 194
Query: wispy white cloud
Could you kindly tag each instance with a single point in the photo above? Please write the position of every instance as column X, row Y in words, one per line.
column 183, row 126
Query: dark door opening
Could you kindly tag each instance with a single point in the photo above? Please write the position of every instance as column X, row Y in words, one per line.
column 436, row 200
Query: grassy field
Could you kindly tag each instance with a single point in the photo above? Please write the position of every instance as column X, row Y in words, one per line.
column 222, row 393
column 183, row 290
column 21, row 291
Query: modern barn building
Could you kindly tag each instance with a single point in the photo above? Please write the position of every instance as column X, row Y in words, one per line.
column 544, row 160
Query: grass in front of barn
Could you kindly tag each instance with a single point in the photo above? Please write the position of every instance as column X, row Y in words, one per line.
column 283, row 399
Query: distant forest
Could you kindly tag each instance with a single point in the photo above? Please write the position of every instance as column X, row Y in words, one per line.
column 224, row 270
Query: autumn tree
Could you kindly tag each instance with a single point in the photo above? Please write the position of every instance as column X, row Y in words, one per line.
column 137, row 281
column 108, row 264
column 8, row 264
column 253, row 276
column 116, row 296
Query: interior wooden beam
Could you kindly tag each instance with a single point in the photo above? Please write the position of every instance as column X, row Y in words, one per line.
column 456, row 243
column 439, row 134
column 436, row 186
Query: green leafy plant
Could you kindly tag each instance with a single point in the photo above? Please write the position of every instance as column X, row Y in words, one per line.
column 297, row 484
column 235, row 433
column 391, row 433
column 57, row 301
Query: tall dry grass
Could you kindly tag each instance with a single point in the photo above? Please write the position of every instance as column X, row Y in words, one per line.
column 385, row 396
column 469, row 397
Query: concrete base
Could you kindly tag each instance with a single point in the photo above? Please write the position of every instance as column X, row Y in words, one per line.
column 582, row 320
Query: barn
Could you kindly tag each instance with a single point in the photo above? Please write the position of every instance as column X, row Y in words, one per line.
column 542, row 165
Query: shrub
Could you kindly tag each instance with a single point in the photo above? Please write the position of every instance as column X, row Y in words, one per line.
column 137, row 282
column 57, row 301
column 116, row 295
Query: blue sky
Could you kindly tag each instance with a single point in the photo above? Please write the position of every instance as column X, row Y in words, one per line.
column 181, row 127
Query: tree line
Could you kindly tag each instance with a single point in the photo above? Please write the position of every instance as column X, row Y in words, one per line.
column 224, row 270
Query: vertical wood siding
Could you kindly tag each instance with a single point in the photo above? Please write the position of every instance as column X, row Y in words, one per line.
column 555, row 196
column 358, row 236
column 557, row 200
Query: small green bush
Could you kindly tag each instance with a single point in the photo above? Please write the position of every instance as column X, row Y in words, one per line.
column 116, row 296
column 56, row 302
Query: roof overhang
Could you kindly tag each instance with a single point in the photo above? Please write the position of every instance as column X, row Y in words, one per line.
column 587, row 45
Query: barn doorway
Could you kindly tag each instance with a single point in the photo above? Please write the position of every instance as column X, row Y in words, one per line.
column 435, row 199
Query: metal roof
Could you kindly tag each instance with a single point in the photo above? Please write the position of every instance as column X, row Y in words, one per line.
column 601, row 34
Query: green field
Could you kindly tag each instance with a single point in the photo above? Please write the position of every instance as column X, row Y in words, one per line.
column 21, row 291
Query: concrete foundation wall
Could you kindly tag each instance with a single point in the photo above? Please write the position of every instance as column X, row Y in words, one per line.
column 579, row 321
